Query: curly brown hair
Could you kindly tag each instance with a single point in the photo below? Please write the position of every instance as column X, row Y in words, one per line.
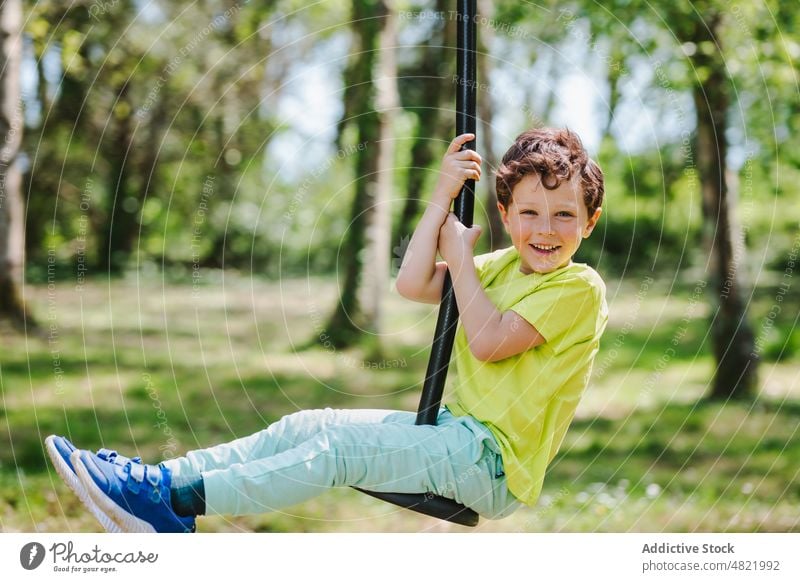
column 556, row 155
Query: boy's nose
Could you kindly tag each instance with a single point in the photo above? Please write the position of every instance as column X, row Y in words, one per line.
column 544, row 227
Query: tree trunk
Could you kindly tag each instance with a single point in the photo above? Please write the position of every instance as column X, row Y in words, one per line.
column 66, row 113
column 435, row 89
column 378, row 269
column 497, row 233
column 348, row 320
column 122, row 205
column 615, row 72
column 421, row 158
column 734, row 348
column 12, row 232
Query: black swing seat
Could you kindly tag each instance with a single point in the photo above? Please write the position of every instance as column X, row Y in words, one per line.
column 430, row 504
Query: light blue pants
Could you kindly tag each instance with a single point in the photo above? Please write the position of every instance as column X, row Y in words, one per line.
column 308, row 452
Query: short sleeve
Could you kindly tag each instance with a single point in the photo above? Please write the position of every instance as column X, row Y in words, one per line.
column 565, row 311
column 483, row 262
column 490, row 265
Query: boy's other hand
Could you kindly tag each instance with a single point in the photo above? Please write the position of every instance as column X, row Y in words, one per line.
column 458, row 166
column 456, row 242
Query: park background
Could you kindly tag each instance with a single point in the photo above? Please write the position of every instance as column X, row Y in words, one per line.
column 203, row 204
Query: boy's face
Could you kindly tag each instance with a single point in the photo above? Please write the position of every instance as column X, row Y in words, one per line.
column 547, row 226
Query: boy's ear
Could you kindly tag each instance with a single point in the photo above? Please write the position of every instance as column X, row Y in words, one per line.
column 592, row 223
column 503, row 213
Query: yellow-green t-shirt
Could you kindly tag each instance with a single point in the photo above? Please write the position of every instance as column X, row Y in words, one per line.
column 529, row 400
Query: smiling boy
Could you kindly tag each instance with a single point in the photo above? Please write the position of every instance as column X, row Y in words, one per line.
column 531, row 318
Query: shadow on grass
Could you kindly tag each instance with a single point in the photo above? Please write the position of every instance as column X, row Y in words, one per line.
column 642, row 348
column 702, row 446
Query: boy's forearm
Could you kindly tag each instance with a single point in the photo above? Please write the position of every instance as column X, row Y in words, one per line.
column 419, row 262
column 479, row 316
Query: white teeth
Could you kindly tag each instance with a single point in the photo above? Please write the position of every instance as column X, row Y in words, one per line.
column 545, row 247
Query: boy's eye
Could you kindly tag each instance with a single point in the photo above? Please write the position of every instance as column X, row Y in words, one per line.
column 529, row 212
column 565, row 213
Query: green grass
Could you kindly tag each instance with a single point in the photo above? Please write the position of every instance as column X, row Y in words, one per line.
column 159, row 369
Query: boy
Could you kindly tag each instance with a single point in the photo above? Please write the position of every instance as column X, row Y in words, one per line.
column 530, row 327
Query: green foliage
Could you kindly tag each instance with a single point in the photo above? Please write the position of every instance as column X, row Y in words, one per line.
column 149, row 109
column 651, row 215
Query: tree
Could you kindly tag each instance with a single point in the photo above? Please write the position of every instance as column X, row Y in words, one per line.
column 370, row 20
column 90, row 128
column 497, row 234
column 387, row 101
column 704, row 34
column 12, row 306
column 734, row 348
column 146, row 113
column 428, row 92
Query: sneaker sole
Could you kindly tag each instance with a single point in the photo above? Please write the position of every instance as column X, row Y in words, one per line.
column 122, row 520
column 71, row 479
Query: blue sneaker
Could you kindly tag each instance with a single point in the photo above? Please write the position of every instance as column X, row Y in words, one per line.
column 135, row 496
column 60, row 449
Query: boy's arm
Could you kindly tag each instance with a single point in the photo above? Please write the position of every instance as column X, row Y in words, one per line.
column 421, row 278
column 492, row 335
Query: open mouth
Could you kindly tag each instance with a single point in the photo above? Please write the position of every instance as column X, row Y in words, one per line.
column 545, row 249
